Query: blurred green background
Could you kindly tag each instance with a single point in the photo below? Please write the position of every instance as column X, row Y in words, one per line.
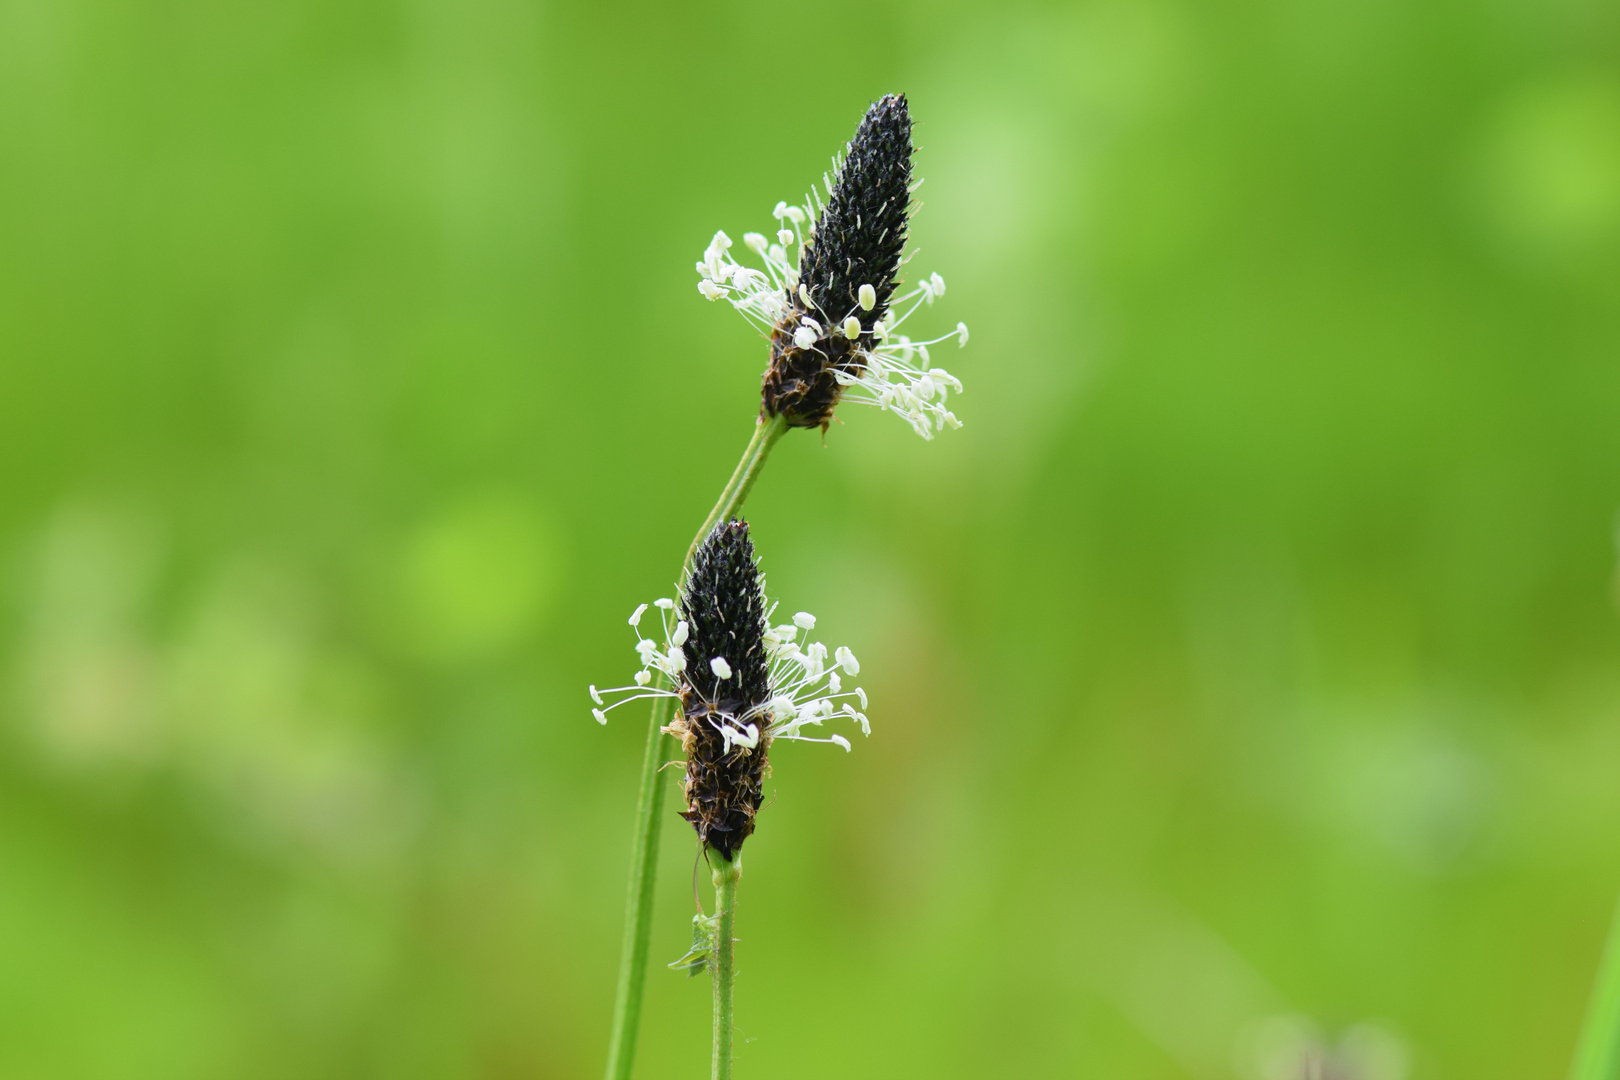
column 1251, row 654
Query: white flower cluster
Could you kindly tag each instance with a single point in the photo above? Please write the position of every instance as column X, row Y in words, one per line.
column 896, row 375
column 803, row 685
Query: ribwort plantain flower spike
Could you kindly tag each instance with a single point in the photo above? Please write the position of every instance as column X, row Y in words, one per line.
column 827, row 296
column 741, row 683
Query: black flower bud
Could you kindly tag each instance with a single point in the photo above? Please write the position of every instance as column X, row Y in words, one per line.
column 847, row 272
column 724, row 689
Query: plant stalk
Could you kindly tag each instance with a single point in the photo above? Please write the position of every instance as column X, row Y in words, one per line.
column 650, row 800
column 722, row 969
column 1597, row 1055
column 766, row 432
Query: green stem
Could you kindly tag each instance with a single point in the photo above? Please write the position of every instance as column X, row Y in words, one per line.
column 650, row 801
column 722, row 970
column 766, row 432
column 1597, row 1056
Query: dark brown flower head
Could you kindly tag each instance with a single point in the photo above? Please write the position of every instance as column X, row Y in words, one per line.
column 724, row 689
column 857, row 242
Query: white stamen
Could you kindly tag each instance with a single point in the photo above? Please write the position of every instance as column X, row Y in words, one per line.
column 852, row 328
column 635, row 616
column 643, row 677
column 868, row 297
column 678, row 638
column 665, row 603
column 721, row 669
column 595, row 696
column 847, row 661
column 961, row 334
column 804, row 337
column 804, row 621
column 755, row 242
column 601, row 717
column 841, row 741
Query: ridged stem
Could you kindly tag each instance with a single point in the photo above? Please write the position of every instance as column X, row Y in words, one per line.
column 650, row 800
column 1597, row 1056
column 766, row 432
column 722, row 970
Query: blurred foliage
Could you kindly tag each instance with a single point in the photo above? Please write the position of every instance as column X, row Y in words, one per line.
column 1245, row 676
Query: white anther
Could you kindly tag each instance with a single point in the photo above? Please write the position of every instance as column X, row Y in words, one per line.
column 721, row 669
column 601, row 717
column 852, row 328
column 868, row 297
column 961, row 334
column 785, row 235
column 663, row 602
column 755, row 242
column 635, row 616
column 796, row 214
column 643, row 678
column 710, row 290
column 937, row 281
column 804, row 621
column 834, row 684
column 676, row 660
column 841, row 741
column 783, row 709
column 780, row 212
column 925, row 388
column 804, row 337
column 862, row 695
column 681, row 631
column 720, row 242
column 804, row 295
column 847, row 661
column 595, row 696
